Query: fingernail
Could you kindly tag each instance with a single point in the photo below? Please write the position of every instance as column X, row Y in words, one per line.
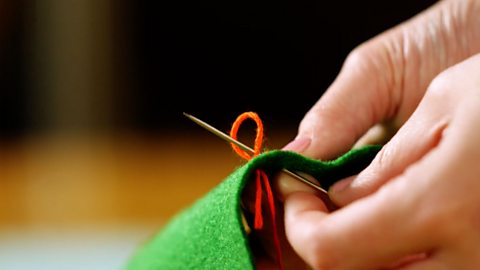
column 298, row 145
column 341, row 185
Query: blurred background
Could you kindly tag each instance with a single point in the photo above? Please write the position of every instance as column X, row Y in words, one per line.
column 95, row 154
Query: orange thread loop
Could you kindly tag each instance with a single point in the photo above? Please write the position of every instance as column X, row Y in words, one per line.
column 258, row 137
column 259, row 176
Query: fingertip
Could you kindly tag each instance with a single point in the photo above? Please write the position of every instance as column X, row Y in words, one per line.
column 304, row 213
column 286, row 185
column 325, row 139
column 328, row 143
column 339, row 192
column 299, row 144
column 302, row 203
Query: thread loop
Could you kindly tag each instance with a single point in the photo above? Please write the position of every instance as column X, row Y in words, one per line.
column 259, row 176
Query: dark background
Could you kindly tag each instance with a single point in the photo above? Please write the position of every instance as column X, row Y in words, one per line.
column 214, row 59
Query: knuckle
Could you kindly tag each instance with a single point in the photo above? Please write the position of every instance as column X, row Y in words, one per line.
column 381, row 63
column 440, row 84
column 442, row 92
column 361, row 56
column 383, row 158
column 381, row 56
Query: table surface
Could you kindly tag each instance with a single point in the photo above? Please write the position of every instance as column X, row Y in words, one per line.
column 89, row 200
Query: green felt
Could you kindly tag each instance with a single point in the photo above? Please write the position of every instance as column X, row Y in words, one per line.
column 210, row 234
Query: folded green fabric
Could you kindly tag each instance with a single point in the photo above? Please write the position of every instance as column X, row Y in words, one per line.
column 210, row 234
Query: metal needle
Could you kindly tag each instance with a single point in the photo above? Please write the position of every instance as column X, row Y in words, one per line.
column 246, row 148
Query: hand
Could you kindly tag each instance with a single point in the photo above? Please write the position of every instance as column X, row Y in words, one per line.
column 429, row 200
column 383, row 80
column 427, row 203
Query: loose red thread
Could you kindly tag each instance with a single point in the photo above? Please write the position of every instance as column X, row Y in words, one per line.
column 260, row 175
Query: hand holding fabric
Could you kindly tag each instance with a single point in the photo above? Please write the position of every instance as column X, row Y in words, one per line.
column 420, row 195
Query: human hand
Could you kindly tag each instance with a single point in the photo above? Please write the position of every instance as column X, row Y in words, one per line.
column 429, row 199
column 435, row 215
column 383, row 80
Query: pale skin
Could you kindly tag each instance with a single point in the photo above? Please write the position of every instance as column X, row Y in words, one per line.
column 417, row 206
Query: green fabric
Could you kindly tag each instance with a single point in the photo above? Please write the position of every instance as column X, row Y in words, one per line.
column 210, row 234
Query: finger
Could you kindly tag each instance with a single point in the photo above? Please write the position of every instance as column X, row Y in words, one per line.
column 285, row 184
column 433, row 263
column 408, row 260
column 379, row 134
column 419, row 135
column 360, row 97
column 368, row 234
column 261, row 241
column 385, row 79
column 334, row 124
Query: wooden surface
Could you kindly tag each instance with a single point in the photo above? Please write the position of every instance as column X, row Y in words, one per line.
column 71, row 180
column 89, row 201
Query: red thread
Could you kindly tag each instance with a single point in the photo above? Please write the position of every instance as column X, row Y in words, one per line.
column 258, row 137
column 260, row 175
column 258, row 221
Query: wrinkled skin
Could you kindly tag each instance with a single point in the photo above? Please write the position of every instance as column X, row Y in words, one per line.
column 417, row 206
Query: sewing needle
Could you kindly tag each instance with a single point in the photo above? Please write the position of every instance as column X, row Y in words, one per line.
column 246, row 148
